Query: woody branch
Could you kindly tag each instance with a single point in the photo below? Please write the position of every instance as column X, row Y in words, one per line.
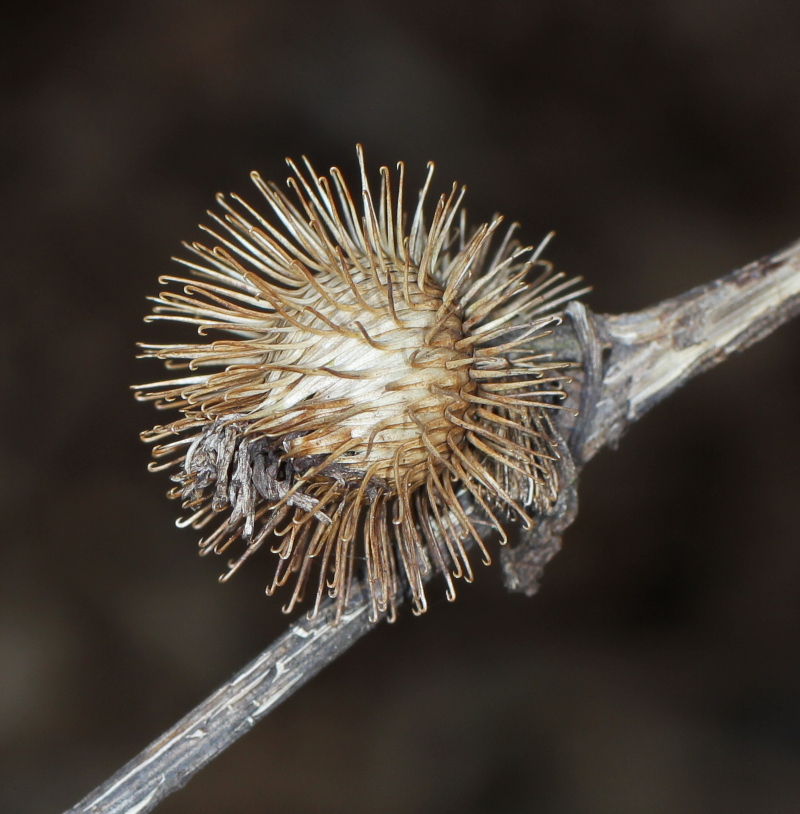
column 629, row 362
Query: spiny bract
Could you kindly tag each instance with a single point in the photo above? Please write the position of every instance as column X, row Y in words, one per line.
column 372, row 396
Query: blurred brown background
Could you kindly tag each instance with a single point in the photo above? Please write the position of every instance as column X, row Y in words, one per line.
column 658, row 670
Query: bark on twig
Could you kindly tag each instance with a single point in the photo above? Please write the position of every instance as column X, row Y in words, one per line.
column 655, row 351
column 168, row 763
column 629, row 363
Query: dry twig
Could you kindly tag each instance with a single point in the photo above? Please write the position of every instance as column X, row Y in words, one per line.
column 629, row 363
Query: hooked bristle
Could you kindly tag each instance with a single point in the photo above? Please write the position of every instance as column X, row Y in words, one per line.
column 374, row 395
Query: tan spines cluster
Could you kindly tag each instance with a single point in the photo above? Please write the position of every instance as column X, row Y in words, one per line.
column 373, row 371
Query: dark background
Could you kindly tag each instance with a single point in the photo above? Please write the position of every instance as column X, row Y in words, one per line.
column 658, row 670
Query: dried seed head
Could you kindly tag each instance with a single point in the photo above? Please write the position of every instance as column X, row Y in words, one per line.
column 372, row 396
